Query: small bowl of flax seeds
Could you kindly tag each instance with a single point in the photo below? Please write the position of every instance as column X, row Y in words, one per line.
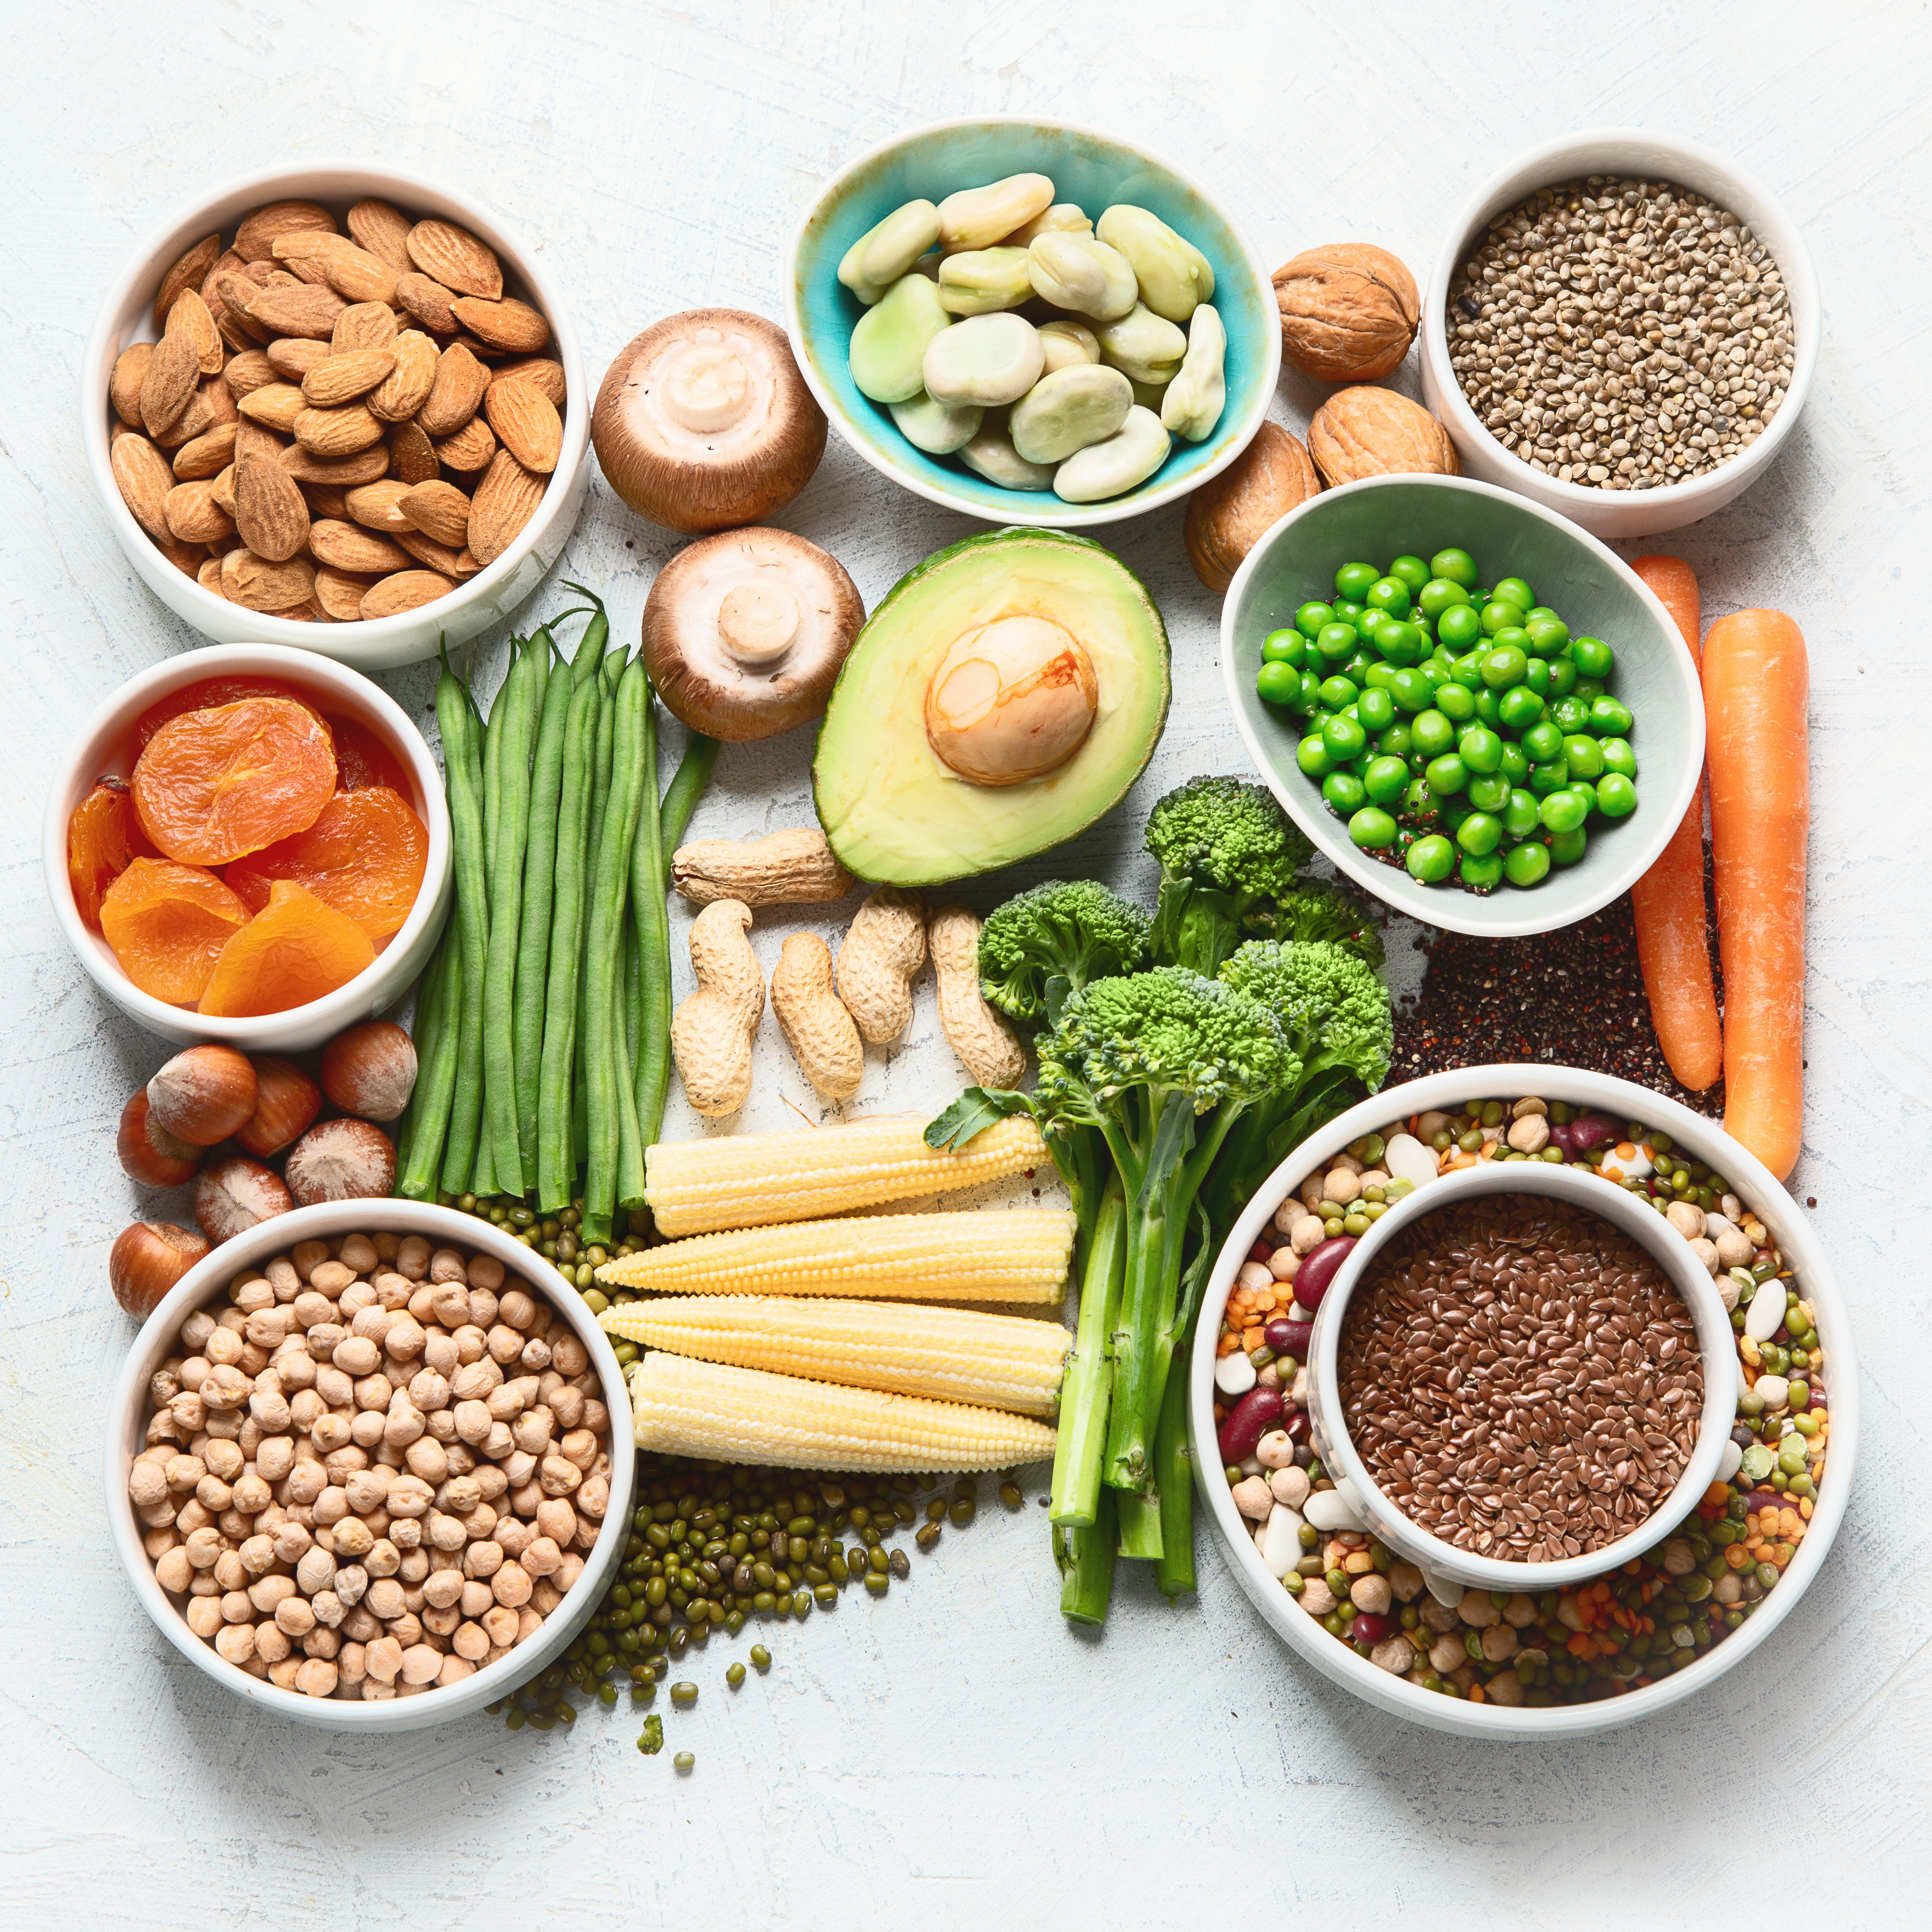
column 1623, row 326
column 1524, row 1376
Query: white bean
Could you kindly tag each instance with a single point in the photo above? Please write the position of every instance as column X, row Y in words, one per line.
column 1069, row 410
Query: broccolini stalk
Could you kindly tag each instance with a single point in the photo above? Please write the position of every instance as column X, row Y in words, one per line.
column 1083, row 1397
column 1084, row 1553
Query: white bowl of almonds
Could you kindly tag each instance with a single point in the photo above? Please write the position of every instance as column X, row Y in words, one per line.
column 340, row 408
column 370, row 1465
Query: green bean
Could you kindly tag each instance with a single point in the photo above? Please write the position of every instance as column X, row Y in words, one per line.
column 462, row 764
column 555, row 1163
column 492, row 761
column 438, row 1031
column 600, row 793
column 603, row 1044
column 650, row 927
column 540, row 856
column 682, row 794
column 589, row 655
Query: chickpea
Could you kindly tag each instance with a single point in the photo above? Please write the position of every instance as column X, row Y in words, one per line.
column 307, row 1256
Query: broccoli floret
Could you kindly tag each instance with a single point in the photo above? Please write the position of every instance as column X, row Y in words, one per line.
column 1328, row 1001
column 1227, row 853
column 1065, row 931
column 1320, row 909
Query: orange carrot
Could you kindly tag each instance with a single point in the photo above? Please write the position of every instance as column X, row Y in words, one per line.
column 1673, row 944
column 1756, row 679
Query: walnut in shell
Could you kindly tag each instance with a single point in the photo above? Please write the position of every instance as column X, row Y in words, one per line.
column 1227, row 515
column 1365, row 431
column 1349, row 311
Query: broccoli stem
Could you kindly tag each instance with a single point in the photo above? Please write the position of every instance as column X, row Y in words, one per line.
column 1173, row 1470
column 1084, row 1553
column 1139, row 1516
column 1083, row 1397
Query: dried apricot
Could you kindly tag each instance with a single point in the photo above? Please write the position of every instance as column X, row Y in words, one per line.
column 206, row 694
column 102, row 836
column 295, row 950
column 168, row 924
column 365, row 856
column 362, row 759
column 215, row 785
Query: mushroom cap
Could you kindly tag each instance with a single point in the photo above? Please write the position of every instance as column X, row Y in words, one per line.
column 703, row 423
column 744, row 632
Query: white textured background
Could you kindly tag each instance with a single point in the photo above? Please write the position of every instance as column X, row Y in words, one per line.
column 954, row 1756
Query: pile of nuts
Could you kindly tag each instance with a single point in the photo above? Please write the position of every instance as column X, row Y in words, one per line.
column 376, row 1471
column 336, row 427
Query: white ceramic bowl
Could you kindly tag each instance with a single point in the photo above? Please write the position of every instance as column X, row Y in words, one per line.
column 1328, row 1424
column 1692, row 1135
column 101, row 751
column 1598, row 594
column 1643, row 154
column 491, row 596
column 205, row 1283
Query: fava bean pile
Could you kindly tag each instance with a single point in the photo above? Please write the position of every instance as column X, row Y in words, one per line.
column 1460, row 731
column 1636, row 1623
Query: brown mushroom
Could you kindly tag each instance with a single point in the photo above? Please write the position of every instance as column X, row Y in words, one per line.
column 745, row 632
column 703, row 423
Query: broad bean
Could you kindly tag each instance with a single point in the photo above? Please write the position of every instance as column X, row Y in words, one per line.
column 1068, row 410
column 1163, row 264
column 987, row 359
column 1068, row 344
column 1063, row 218
column 1195, row 397
column 976, row 217
column 982, row 281
column 1145, row 347
column 992, row 453
column 937, row 428
column 1077, row 271
column 1129, row 456
column 888, row 346
column 883, row 254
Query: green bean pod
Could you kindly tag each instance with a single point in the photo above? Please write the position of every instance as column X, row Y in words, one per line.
column 493, row 764
column 539, row 894
column 463, row 765
column 682, row 794
column 589, row 656
column 600, row 795
column 438, row 1031
column 556, row 1168
column 650, row 926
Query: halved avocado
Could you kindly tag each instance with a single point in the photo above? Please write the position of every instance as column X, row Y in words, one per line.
column 893, row 810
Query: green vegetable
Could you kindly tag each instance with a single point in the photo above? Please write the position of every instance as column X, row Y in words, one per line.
column 1083, row 1400
column 650, row 939
column 1048, row 942
column 436, row 1034
column 1226, row 851
column 462, row 750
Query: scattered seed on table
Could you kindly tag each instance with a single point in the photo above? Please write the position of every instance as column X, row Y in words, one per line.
column 735, row 1675
column 684, row 1761
column 761, row 1658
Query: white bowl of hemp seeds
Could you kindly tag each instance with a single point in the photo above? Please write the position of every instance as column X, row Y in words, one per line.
column 1623, row 327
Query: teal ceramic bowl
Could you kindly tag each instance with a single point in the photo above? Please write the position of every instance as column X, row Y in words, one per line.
column 1598, row 595
column 1093, row 169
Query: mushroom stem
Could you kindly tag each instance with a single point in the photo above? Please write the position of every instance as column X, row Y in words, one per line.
column 758, row 619
column 707, row 387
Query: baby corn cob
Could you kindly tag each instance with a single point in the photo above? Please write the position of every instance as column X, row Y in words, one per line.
column 682, row 1408
column 750, row 1180
column 1018, row 1254
column 950, row 1354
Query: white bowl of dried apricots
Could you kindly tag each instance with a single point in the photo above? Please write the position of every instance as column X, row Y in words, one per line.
column 337, row 408
column 250, row 844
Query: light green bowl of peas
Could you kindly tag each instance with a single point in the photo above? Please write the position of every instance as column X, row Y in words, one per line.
column 1473, row 708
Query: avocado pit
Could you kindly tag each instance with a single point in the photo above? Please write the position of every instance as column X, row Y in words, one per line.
column 1011, row 700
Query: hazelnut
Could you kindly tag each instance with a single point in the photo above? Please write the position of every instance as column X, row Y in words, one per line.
column 1227, row 515
column 203, row 1095
column 341, row 1160
column 286, row 1102
column 1366, row 431
column 148, row 1153
column 147, row 1260
column 370, row 1070
column 1349, row 311
column 237, row 1194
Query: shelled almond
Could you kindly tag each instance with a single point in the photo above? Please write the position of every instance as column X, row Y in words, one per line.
column 336, row 426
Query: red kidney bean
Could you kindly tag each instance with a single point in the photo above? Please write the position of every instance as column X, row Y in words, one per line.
column 1248, row 1421
column 1370, row 1628
column 1295, row 1427
column 1317, row 1270
column 1260, row 1251
column 1588, row 1131
column 1289, row 1338
column 1564, row 1139
column 1764, row 1499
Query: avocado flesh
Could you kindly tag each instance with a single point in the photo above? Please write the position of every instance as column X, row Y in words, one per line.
column 893, row 812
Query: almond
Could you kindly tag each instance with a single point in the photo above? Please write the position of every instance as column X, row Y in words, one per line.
column 257, row 439
column 221, row 489
column 339, row 592
column 384, row 231
column 364, row 325
column 407, row 388
column 257, row 584
column 507, row 324
column 250, row 371
column 503, row 503
column 483, row 351
column 344, row 473
column 346, row 547
column 353, row 273
column 547, row 376
column 455, row 258
column 292, row 357
column 269, row 510
column 172, row 371
column 434, row 556
column 209, row 577
column 460, row 381
column 190, row 312
column 471, row 448
column 143, row 472
column 277, row 404
column 192, row 513
column 214, row 391
column 438, row 510
column 189, row 271
column 407, row 590
column 326, row 500
column 124, row 386
column 525, row 424
column 376, row 506
column 302, row 309
column 233, row 325
column 255, row 239
column 207, row 455
column 233, row 295
column 339, row 432
column 307, row 268
column 210, row 406
column 411, row 458
column 341, row 379
column 1365, row 431
column 428, row 301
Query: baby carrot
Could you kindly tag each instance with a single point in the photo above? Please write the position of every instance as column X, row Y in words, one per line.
column 1755, row 682
column 1673, row 945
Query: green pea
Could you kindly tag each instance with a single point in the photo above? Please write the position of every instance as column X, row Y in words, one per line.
column 1488, row 707
column 1591, row 656
column 1376, row 710
column 1516, row 591
column 1586, row 755
column 1467, row 670
column 1482, row 872
column 1377, row 676
column 1587, row 688
column 1453, row 810
column 1571, row 714
column 1439, row 594
column 1345, row 609
column 1543, row 742
column 1617, row 756
column 1504, row 666
column 1567, row 847
column 1584, row 789
column 1311, row 693
column 1390, row 594
column 1354, row 580
column 1481, row 750
column 1547, row 634
column 1459, row 627
column 1490, row 793
column 1515, row 766
column 1344, row 739
column 1511, row 637
column 1400, row 642
column 1431, row 859
column 1456, row 701
column 1396, row 743
column 1447, row 774
column 1384, row 779
column 1355, row 667
column 1344, row 791
column 1334, row 642
column 1480, row 834
column 1562, row 676
column 1609, row 718
column 1338, row 693
column 1616, row 797
column 1432, row 734
column 1523, row 814
column 1545, row 779
column 1519, row 710
column 1410, row 689
column 1312, row 616
column 1278, row 684
column 1411, row 571
column 1562, row 811
column 1527, row 864
column 1372, row 828
column 1283, row 647
column 1537, row 677
column 1501, row 616
column 1419, row 802
column 1312, row 756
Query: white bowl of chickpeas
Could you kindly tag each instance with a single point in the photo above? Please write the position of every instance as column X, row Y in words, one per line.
column 370, row 1465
